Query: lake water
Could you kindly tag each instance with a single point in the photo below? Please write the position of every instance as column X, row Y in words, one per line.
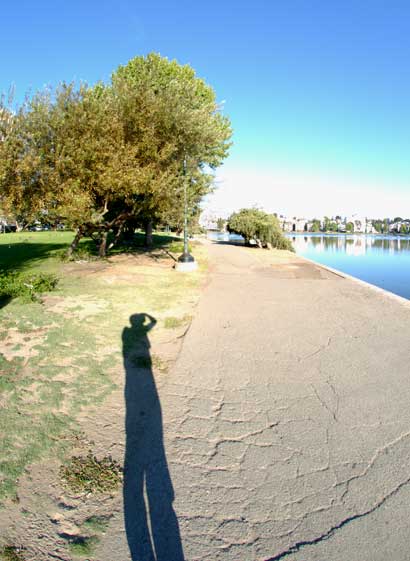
column 380, row 260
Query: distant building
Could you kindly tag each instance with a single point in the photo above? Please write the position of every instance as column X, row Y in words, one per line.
column 361, row 225
column 293, row 224
column 208, row 220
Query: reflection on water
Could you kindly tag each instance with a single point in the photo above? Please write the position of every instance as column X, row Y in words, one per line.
column 353, row 245
column 380, row 260
column 224, row 237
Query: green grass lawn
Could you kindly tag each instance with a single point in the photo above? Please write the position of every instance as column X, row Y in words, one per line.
column 33, row 251
column 30, row 251
column 65, row 353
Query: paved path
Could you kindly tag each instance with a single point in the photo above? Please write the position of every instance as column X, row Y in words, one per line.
column 287, row 418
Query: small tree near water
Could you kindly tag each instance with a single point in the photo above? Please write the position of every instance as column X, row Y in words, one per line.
column 220, row 224
column 255, row 224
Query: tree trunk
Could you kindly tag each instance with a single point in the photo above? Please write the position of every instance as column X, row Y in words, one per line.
column 74, row 243
column 117, row 236
column 102, row 250
column 148, row 234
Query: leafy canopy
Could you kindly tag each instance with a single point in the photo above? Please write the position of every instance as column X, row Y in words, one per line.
column 252, row 223
column 97, row 157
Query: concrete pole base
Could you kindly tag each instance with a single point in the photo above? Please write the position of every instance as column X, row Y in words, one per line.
column 186, row 267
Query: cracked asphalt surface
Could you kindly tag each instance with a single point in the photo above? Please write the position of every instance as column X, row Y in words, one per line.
column 286, row 417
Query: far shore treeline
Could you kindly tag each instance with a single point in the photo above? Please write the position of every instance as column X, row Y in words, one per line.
column 112, row 157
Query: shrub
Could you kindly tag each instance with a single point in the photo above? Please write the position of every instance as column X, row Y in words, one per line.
column 26, row 287
column 252, row 223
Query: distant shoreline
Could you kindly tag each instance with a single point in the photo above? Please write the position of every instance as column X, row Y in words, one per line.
column 346, row 234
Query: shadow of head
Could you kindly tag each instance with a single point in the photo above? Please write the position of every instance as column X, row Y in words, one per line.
column 135, row 337
column 142, row 322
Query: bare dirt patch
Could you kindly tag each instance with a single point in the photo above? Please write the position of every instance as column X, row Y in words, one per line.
column 19, row 344
column 79, row 307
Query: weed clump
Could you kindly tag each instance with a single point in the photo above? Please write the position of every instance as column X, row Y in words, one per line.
column 26, row 287
column 11, row 553
column 174, row 322
column 82, row 546
column 149, row 362
column 97, row 523
column 88, row 474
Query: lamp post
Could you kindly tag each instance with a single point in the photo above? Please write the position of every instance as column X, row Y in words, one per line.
column 186, row 261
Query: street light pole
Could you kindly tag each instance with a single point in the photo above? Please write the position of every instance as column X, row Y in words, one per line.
column 186, row 262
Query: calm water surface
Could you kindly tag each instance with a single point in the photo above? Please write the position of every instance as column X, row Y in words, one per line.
column 380, row 260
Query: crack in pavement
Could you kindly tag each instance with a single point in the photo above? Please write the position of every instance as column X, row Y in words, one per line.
column 323, row 537
column 319, row 350
column 323, row 403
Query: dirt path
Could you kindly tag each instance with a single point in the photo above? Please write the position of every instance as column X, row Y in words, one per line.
column 286, row 423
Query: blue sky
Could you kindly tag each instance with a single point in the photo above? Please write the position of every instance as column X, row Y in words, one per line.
column 318, row 91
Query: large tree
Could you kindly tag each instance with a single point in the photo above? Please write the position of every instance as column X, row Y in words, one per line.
column 184, row 131
column 64, row 157
column 115, row 155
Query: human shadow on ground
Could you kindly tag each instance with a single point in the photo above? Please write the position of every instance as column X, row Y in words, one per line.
column 150, row 521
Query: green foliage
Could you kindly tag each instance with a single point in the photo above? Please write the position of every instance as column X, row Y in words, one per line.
column 386, row 226
column 174, row 322
column 89, row 474
column 252, row 223
column 26, row 287
column 97, row 523
column 82, row 546
column 114, row 156
column 349, row 227
column 315, row 225
column 220, row 223
column 11, row 553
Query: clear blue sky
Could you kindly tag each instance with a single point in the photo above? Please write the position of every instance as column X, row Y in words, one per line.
column 318, row 90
